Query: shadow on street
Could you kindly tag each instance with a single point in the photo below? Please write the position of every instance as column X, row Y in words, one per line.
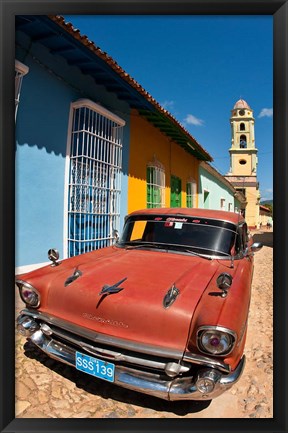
column 265, row 237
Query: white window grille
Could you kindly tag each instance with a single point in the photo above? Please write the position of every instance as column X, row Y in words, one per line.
column 191, row 189
column 20, row 71
column 95, row 163
column 155, row 184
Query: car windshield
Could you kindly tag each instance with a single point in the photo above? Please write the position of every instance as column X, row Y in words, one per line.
column 180, row 233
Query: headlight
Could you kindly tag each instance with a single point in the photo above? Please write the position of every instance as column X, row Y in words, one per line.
column 215, row 340
column 28, row 294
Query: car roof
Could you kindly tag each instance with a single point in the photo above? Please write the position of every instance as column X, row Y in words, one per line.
column 232, row 217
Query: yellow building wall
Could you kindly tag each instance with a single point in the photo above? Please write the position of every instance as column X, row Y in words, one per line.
column 147, row 143
column 242, row 169
column 252, row 208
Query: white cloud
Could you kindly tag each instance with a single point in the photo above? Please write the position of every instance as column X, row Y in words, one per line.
column 192, row 120
column 266, row 112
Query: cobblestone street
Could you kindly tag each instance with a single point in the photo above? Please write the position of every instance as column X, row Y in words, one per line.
column 48, row 389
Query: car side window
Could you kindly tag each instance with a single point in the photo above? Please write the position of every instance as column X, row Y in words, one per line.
column 242, row 238
column 238, row 243
column 245, row 236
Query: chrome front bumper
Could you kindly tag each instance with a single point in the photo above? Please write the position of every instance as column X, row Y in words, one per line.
column 158, row 385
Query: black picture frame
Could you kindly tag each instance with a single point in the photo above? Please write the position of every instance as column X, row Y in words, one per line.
column 276, row 8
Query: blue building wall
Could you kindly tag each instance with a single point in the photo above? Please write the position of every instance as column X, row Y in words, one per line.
column 216, row 189
column 41, row 140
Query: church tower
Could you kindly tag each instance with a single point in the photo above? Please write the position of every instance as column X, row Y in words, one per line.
column 243, row 160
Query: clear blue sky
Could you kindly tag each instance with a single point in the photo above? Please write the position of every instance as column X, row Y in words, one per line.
column 197, row 67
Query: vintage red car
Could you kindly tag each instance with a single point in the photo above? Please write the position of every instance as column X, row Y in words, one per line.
column 163, row 311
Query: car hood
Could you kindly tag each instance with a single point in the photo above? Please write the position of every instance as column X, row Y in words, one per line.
column 136, row 312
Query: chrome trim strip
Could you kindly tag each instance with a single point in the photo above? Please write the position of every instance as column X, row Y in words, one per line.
column 234, row 377
column 188, row 357
column 111, row 355
column 181, row 215
column 104, row 339
column 203, row 360
column 148, row 383
column 118, row 356
column 24, row 283
column 219, row 328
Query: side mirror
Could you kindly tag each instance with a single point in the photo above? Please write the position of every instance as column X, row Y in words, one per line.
column 53, row 255
column 256, row 246
column 116, row 235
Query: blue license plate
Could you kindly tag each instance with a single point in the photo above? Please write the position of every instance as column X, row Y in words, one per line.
column 95, row 367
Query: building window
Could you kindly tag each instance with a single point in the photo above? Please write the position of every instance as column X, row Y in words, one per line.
column 20, row 71
column 93, row 177
column 206, row 199
column 242, row 126
column 222, row 204
column 243, row 142
column 155, row 184
column 191, row 187
column 176, row 188
column 230, row 207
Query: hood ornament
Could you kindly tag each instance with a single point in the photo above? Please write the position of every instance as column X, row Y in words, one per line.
column 109, row 290
column 170, row 296
column 73, row 277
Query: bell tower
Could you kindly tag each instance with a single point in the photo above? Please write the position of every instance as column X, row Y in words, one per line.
column 243, row 159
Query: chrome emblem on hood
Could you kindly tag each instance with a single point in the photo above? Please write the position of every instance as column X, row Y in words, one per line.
column 170, row 296
column 104, row 321
column 108, row 290
column 73, row 277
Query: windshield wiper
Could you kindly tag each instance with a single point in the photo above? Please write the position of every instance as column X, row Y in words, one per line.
column 141, row 245
column 197, row 254
column 221, row 253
